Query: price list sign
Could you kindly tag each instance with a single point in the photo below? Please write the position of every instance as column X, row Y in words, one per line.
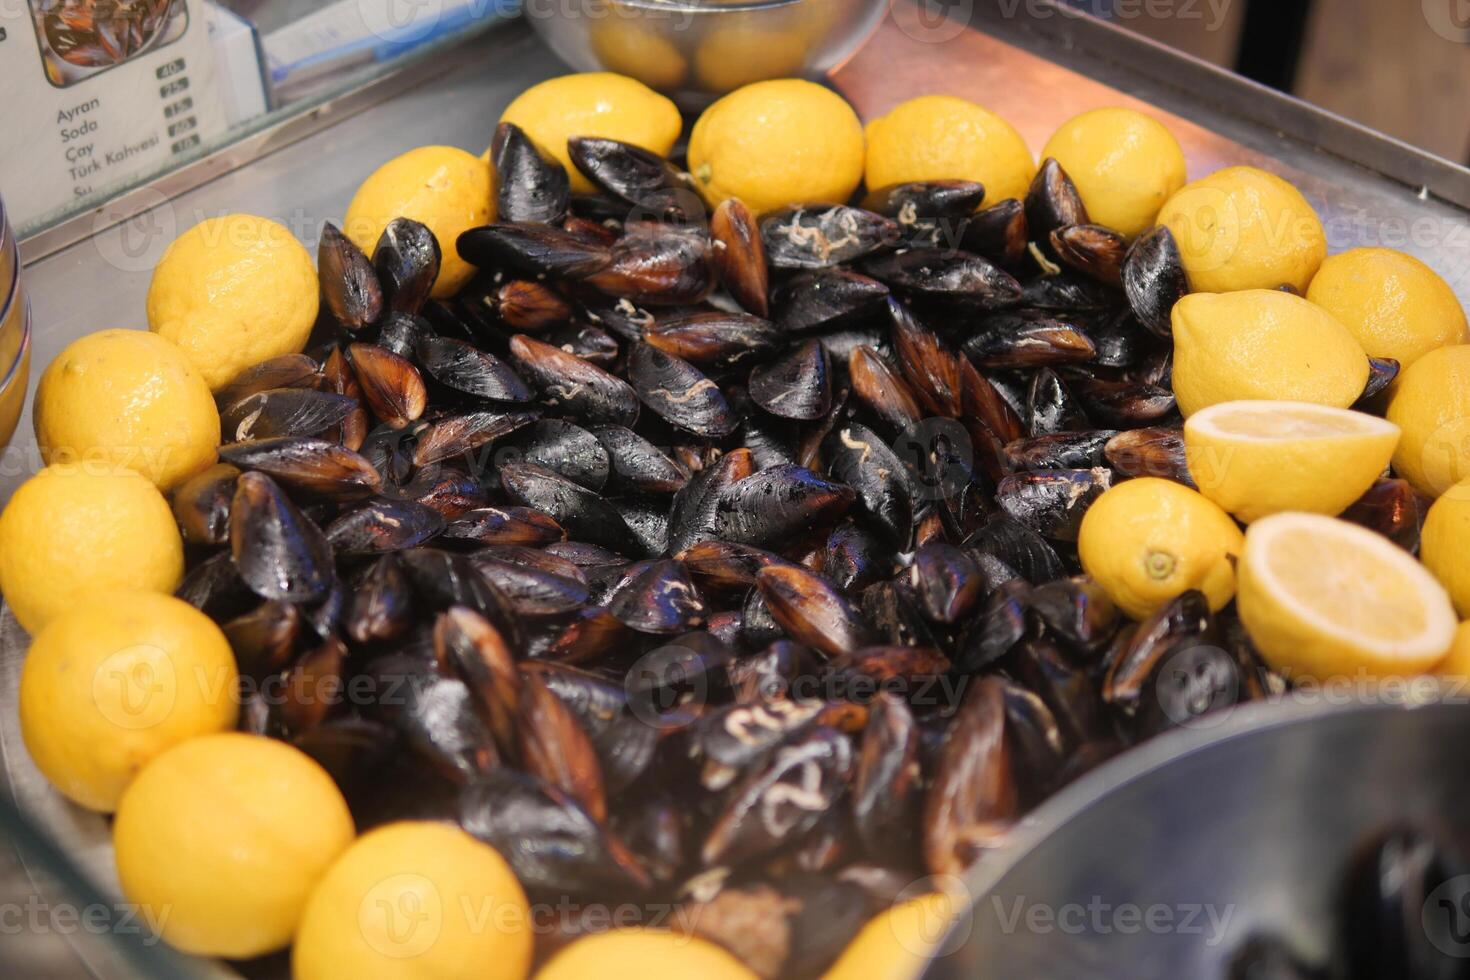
column 99, row 93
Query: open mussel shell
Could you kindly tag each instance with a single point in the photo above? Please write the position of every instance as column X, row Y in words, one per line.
column 822, row 237
column 1093, row 250
column 881, row 390
column 349, row 283
column 283, row 371
column 284, row 412
column 530, row 186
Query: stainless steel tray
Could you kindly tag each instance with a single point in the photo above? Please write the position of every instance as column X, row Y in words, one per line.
column 1037, row 68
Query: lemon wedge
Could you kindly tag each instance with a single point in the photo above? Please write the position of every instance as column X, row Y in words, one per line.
column 1255, row 458
column 1323, row 598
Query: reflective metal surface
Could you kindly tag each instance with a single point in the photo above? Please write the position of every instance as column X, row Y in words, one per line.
column 1239, row 828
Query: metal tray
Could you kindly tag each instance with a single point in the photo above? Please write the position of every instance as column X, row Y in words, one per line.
column 1037, row 67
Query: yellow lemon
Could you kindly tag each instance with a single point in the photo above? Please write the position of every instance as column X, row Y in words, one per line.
column 739, row 54
column 1455, row 667
column 898, row 943
column 441, row 187
column 1431, row 403
column 1243, row 228
column 415, row 899
column 74, row 530
column 1255, row 458
column 629, row 48
column 1262, row 343
column 597, row 103
column 131, row 398
column 942, row 137
column 232, row 292
column 114, row 681
column 1324, row 598
column 643, row 954
column 1444, row 543
column 1148, row 540
column 1125, row 165
column 223, row 837
column 1394, row 304
column 776, row 144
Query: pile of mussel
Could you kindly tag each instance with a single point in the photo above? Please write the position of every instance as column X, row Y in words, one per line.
column 708, row 563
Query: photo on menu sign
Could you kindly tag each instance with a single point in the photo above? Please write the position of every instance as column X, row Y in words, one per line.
column 80, row 38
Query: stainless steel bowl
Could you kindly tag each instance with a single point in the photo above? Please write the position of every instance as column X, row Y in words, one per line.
column 700, row 49
column 1244, row 828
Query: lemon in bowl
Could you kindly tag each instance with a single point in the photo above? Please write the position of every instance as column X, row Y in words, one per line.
column 234, row 291
column 1255, row 458
column 1431, row 404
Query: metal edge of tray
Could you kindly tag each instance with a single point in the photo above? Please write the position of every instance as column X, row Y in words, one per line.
column 1138, row 762
column 419, row 67
column 1062, row 34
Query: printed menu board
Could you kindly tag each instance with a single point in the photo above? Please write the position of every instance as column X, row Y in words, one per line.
column 97, row 92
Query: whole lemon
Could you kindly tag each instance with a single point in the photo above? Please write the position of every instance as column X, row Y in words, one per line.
column 1431, row 403
column 441, row 187
column 1444, row 543
column 598, row 103
column 234, row 291
column 131, row 398
column 222, row 839
column 1148, row 540
column 643, row 954
column 897, row 943
column 1125, row 165
column 1394, row 304
column 1243, row 228
column 1265, row 344
column 1255, row 458
column 415, row 899
column 117, row 679
column 943, row 137
column 74, row 530
column 776, row 144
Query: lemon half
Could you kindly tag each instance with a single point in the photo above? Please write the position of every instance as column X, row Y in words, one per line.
column 1255, row 458
column 1323, row 598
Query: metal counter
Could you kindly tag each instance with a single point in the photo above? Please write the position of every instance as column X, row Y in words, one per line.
column 1036, row 71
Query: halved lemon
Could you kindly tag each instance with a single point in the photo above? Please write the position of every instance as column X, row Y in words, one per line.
column 1255, row 458
column 1326, row 599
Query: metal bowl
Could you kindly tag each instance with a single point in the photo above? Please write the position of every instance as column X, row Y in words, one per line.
column 698, row 50
column 1220, row 834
